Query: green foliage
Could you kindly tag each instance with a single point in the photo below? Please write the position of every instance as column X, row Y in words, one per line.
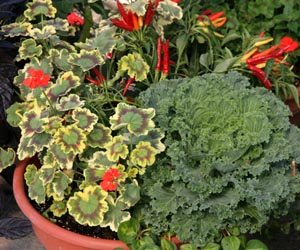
column 228, row 158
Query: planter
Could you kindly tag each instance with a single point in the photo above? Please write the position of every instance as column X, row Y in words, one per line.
column 295, row 117
column 49, row 234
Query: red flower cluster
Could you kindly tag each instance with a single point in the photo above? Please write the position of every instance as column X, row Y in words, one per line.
column 36, row 79
column 75, row 19
column 109, row 179
column 259, row 59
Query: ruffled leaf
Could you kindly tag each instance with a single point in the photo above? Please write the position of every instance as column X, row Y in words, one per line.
column 115, row 214
column 24, row 150
column 100, row 160
column 64, row 84
column 69, row 102
column 31, row 123
column 99, row 136
column 104, row 41
column 60, row 183
column 143, row 155
column 36, row 190
column 138, row 121
column 7, row 158
column 116, row 149
column 86, row 60
column 84, row 119
column 59, row 208
column 60, row 59
column 44, row 33
column 39, row 7
column 16, row 29
column 134, row 65
column 29, row 49
column 64, row 160
column 71, row 139
column 89, row 206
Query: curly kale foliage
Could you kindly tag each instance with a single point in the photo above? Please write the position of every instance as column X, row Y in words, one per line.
column 228, row 157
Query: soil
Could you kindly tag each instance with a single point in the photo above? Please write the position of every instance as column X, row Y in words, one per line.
column 68, row 222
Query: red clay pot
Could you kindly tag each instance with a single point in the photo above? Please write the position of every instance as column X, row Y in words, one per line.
column 49, row 234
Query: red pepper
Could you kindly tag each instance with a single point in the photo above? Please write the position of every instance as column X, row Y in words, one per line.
column 158, row 51
column 259, row 59
column 129, row 81
column 150, row 12
column 261, row 75
column 165, row 69
column 122, row 12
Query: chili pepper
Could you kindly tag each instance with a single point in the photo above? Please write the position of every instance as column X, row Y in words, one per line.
column 259, row 59
column 129, row 81
column 158, row 51
column 265, row 41
column 166, row 57
column 140, row 21
column 122, row 12
column 150, row 12
column 261, row 75
column 100, row 77
column 267, row 51
column 248, row 54
column 122, row 25
column 135, row 21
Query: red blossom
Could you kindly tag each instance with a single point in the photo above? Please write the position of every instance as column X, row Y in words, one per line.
column 288, row 44
column 36, row 79
column 74, row 18
column 110, row 179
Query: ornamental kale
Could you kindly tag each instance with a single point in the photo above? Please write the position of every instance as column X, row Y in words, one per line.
column 227, row 164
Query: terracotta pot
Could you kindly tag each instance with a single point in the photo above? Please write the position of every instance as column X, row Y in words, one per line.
column 295, row 117
column 49, row 234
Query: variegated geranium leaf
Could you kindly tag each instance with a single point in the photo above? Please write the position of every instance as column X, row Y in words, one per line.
column 134, row 65
column 62, row 159
column 115, row 214
column 154, row 137
column 137, row 120
column 56, row 43
column 58, row 23
column 47, row 173
column 64, row 84
column 99, row 136
column 44, row 33
column 60, row 183
column 88, row 206
column 131, row 194
column 69, row 102
column 16, row 29
column 15, row 111
column 53, row 124
column 168, row 11
column 59, row 208
column 31, row 123
column 143, row 155
column 139, row 7
column 104, row 41
column 39, row 7
column 100, row 160
column 24, row 150
column 60, row 59
column 93, row 175
column 116, row 149
column 40, row 141
column 29, row 49
column 86, row 60
column 7, row 158
column 84, row 119
column 36, row 190
column 71, row 139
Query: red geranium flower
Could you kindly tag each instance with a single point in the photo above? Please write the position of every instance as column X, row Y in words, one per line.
column 74, row 18
column 36, row 79
column 109, row 179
